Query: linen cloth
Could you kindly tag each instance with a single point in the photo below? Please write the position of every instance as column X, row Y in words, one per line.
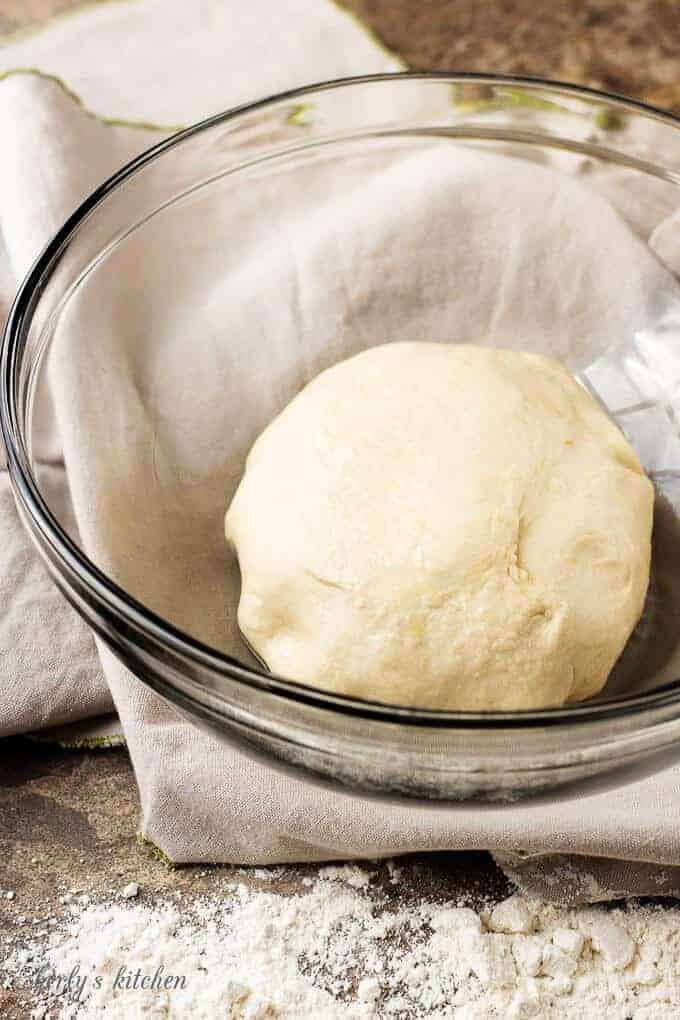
column 338, row 258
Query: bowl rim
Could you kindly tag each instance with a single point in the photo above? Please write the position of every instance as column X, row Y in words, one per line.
column 146, row 625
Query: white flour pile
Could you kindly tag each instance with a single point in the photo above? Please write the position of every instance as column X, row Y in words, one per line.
column 340, row 951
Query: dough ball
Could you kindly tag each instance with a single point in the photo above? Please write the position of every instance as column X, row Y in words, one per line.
column 445, row 526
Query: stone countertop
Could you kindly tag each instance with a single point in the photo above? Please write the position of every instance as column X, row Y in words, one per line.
column 68, row 822
column 69, row 818
column 626, row 46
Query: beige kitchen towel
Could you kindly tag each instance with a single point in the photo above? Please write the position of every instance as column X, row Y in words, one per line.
column 184, row 344
column 65, row 103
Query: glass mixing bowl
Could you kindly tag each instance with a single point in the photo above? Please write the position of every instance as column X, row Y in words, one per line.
column 628, row 152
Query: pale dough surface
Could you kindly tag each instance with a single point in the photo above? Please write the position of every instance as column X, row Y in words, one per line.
column 445, row 526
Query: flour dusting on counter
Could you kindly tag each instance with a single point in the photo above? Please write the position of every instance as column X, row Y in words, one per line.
column 342, row 951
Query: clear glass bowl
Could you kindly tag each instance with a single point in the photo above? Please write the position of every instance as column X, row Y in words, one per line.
column 634, row 725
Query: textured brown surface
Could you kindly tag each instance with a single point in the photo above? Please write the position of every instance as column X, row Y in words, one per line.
column 68, row 818
column 629, row 46
column 16, row 15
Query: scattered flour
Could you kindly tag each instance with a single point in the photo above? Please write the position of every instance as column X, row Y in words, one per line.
column 341, row 951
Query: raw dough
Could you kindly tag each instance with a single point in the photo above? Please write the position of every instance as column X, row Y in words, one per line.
column 447, row 526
